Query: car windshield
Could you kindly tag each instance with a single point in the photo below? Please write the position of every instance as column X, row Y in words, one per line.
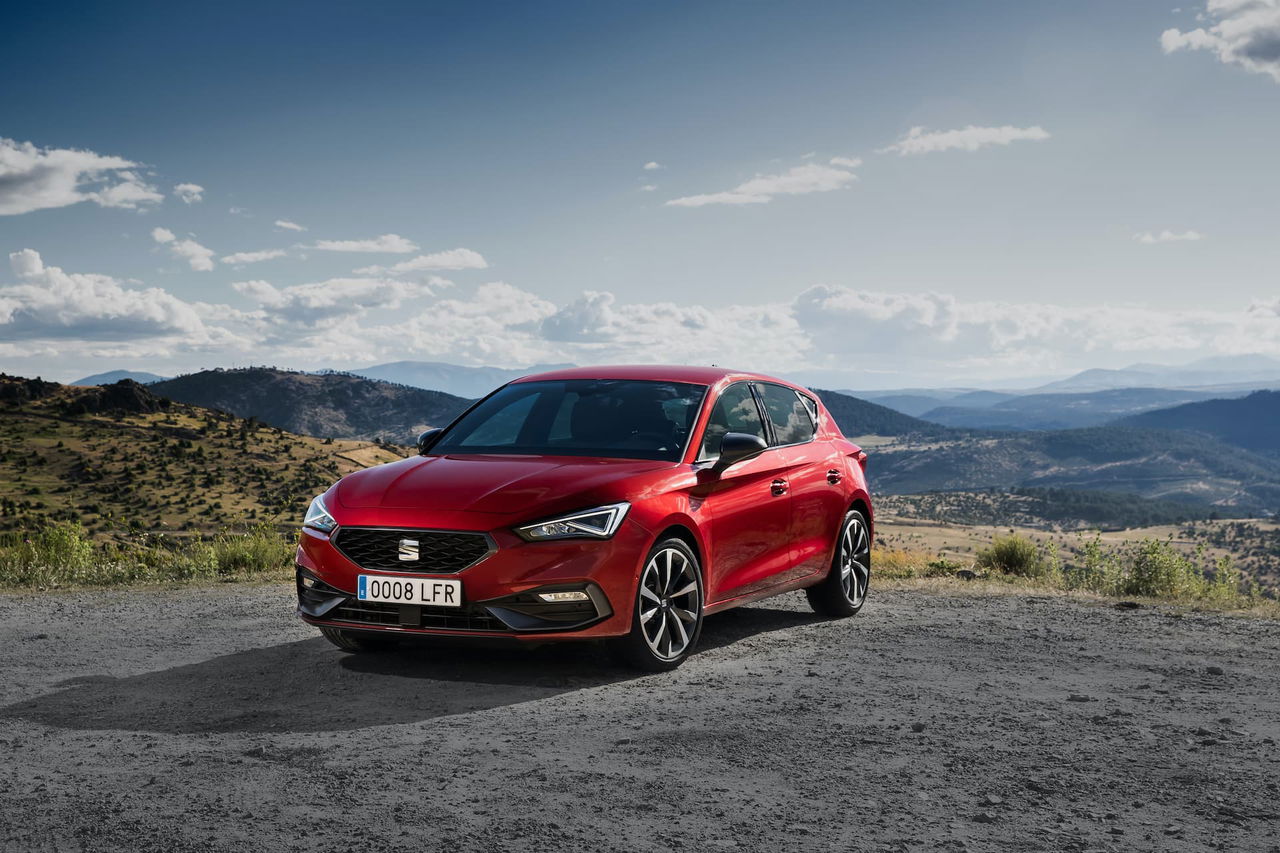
column 621, row 418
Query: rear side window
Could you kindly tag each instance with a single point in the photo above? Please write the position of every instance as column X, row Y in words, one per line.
column 735, row 411
column 790, row 417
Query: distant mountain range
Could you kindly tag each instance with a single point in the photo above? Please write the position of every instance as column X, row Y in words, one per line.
column 1064, row 411
column 1252, row 422
column 859, row 417
column 112, row 376
column 328, row 405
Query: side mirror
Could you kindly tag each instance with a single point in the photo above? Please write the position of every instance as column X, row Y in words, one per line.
column 736, row 447
column 427, row 439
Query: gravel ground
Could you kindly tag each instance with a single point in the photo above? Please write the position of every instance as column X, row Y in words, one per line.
column 211, row 719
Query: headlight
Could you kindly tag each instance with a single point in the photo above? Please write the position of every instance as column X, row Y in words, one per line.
column 318, row 517
column 599, row 523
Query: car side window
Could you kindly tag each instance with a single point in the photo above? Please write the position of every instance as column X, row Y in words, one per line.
column 790, row 417
column 735, row 411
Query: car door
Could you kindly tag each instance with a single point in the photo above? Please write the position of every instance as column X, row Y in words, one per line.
column 745, row 509
column 813, row 474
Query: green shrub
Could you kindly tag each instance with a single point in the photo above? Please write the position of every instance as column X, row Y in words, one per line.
column 1012, row 555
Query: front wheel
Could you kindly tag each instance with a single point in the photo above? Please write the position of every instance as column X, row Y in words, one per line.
column 844, row 590
column 667, row 614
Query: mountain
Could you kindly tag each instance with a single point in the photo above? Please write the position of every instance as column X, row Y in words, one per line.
column 454, row 379
column 111, row 376
column 1151, row 463
column 1236, row 370
column 329, row 405
column 1062, row 411
column 1252, row 422
column 858, row 417
column 118, row 458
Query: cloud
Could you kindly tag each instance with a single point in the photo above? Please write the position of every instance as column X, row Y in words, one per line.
column 392, row 243
column 648, row 188
column 286, row 225
column 846, row 162
column 1246, row 33
column 651, row 166
column 33, row 178
column 971, row 138
column 197, row 257
column 324, row 302
column 799, row 180
column 189, row 193
column 53, row 305
column 253, row 257
column 452, row 259
column 1167, row 236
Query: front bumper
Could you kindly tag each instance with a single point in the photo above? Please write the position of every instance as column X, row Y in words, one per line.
column 499, row 592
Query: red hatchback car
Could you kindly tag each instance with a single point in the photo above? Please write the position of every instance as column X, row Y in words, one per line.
column 606, row 503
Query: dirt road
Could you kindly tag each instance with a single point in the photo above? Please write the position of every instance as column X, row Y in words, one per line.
column 210, row 719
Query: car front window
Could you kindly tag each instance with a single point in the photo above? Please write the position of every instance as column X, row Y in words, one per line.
column 621, row 418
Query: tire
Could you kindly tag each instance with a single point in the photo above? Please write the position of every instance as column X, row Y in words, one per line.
column 666, row 617
column 844, row 590
column 357, row 643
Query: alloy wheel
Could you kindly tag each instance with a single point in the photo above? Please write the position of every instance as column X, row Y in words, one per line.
column 855, row 560
column 670, row 602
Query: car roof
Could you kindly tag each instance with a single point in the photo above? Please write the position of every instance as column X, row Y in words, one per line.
column 653, row 372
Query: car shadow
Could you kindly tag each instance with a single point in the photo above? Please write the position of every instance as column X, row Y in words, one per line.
column 309, row 686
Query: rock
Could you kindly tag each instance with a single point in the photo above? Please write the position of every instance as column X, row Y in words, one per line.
column 992, row 799
column 966, row 574
column 1079, row 697
column 984, row 817
column 1215, row 670
column 917, row 727
column 1127, row 605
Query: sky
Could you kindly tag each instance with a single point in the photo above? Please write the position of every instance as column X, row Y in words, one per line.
column 866, row 195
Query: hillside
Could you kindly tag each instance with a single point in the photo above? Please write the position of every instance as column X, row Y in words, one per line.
column 113, row 376
column 1252, row 422
column 329, row 405
column 1062, row 411
column 1149, row 463
column 120, row 458
column 858, row 417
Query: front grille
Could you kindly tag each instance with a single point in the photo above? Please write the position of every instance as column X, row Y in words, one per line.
column 437, row 551
column 375, row 613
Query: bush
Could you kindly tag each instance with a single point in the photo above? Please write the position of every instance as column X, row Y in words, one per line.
column 1013, row 555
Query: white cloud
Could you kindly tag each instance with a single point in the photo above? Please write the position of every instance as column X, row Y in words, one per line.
column 1167, row 236
column 392, row 243
column 971, row 138
column 197, row 257
column 648, row 188
column 286, row 225
column 846, row 162
column 452, row 259
column 652, row 165
column 189, row 193
column 799, row 180
column 1246, row 33
column 325, row 302
column 33, row 178
column 253, row 257
column 50, row 304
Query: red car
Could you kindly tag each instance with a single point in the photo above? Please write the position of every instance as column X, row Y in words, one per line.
column 607, row 503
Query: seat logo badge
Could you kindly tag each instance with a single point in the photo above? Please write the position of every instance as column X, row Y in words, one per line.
column 408, row 550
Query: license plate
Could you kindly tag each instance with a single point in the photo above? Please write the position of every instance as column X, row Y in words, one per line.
column 430, row 591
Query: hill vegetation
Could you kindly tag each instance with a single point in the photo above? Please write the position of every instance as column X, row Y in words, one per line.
column 857, row 417
column 329, row 405
column 120, row 460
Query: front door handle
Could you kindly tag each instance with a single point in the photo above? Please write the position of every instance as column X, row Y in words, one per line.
column 779, row 487
column 833, row 476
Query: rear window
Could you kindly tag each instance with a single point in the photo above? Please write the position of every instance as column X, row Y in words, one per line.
column 792, row 422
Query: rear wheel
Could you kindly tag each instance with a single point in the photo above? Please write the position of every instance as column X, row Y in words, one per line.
column 667, row 615
column 349, row 641
column 844, row 590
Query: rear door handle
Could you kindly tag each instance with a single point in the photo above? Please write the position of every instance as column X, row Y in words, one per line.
column 779, row 487
column 833, row 476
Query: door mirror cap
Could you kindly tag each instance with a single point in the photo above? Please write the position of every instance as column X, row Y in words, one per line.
column 427, row 439
column 736, row 447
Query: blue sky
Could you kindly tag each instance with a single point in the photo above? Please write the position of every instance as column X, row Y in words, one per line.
column 1092, row 184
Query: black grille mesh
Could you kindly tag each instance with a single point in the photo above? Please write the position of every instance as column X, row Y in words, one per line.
column 453, row 618
column 378, row 549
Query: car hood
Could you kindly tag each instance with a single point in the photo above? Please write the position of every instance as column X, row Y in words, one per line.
column 478, row 483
